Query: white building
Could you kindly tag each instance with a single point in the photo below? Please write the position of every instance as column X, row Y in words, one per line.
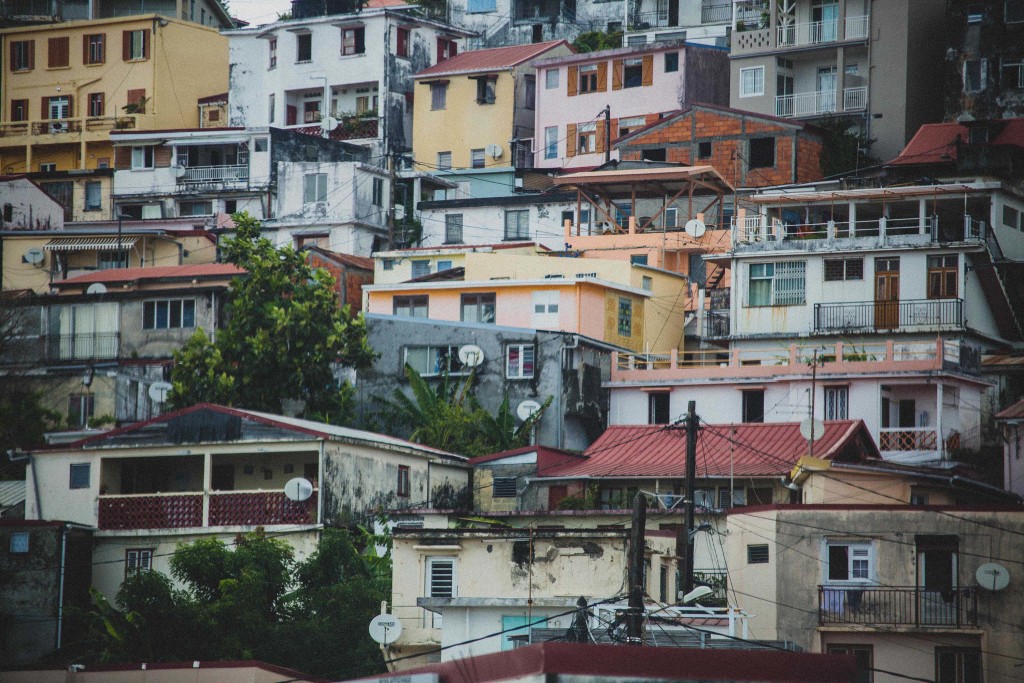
column 698, row 21
column 355, row 68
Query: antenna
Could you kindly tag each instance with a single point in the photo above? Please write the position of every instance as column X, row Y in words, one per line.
column 33, row 256
column 526, row 409
column 471, row 355
column 695, row 228
column 329, row 123
column 96, row 288
column 992, row 576
column 158, row 391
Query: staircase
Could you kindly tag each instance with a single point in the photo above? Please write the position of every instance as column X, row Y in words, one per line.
column 1002, row 280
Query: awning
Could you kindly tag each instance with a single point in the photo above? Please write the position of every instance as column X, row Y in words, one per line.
column 86, row 243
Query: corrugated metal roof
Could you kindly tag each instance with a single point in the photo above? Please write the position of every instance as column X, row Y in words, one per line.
column 1014, row 412
column 154, row 273
column 743, row 450
column 12, row 493
column 489, row 60
column 935, row 143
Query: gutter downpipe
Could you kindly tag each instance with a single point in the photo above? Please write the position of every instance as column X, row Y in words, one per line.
column 60, row 574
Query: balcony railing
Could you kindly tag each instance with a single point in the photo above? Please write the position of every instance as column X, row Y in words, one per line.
column 754, row 229
column 820, row 102
column 215, row 174
column 905, row 315
column 716, row 324
column 904, row 439
column 898, row 606
column 658, row 19
column 817, row 32
column 717, row 13
column 89, row 124
column 197, row 510
column 82, row 346
column 349, row 129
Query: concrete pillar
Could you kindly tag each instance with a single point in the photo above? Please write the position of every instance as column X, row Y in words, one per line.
column 207, row 486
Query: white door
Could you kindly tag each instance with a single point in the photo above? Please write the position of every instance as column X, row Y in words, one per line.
column 826, row 90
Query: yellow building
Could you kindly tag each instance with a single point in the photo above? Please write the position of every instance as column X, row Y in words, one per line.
column 476, row 110
column 65, row 86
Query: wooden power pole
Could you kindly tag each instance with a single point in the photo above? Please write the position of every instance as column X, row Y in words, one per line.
column 635, row 618
column 684, row 540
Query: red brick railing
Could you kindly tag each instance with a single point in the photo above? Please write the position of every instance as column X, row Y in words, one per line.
column 259, row 508
column 185, row 510
column 160, row 511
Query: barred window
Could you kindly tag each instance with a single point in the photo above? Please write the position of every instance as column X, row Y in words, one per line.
column 777, row 284
column 504, row 487
column 837, row 269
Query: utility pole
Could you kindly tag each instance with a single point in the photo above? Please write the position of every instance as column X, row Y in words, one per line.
column 607, row 133
column 684, row 540
column 634, row 620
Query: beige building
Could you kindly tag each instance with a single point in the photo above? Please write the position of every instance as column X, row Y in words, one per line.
column 868, row 61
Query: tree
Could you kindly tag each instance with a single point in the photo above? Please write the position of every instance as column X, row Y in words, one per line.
column 285, row 334
column 843, row 148
column 597, row 40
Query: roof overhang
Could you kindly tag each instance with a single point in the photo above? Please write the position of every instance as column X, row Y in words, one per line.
column 89, row 243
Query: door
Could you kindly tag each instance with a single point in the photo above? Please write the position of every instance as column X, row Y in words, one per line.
column 555, row 496
column 937, row 579
column 826, row 95
column 223, row 478
column 291, row 115
column 824, row 21
column 60, row 107
column 673, row 13
column 887, row 293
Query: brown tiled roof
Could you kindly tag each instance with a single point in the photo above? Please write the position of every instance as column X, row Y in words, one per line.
column 489, row 60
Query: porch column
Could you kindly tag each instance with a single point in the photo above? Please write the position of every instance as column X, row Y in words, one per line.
column 922, row 216
column 938, row 421
column 853, row 219
column 207, row 486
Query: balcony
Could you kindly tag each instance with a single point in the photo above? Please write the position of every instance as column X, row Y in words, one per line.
column 802, row 34
column 912, row 439
column 897, row 606
column 821, row 102
column 215, row 174
column 198, row 510
column 715, row 13
column 763, row 232
column 55, row 131
column 82, row 346
column 911, row 315
column 355, row 128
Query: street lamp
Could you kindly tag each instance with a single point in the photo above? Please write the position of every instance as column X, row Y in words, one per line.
column 120, row 219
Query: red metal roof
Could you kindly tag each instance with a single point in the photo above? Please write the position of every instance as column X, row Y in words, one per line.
column 546, row 457
column 154, row 273
column 490, row 60
column 746, row 450
column 935, row 143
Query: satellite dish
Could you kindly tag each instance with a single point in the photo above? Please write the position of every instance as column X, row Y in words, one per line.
column 385, row 629
column 399, row 212
column 34, row 256
column 526, row 409
column 992, row 576
column 329, row 123
column 493, row 151
column 96, row 288
column 298, row 489
column 695, row 228
column 180, row 171
column 471, row 355
column 158, row 391
column 812, row 429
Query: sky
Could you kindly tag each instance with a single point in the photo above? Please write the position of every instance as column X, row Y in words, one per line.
column 258, row 11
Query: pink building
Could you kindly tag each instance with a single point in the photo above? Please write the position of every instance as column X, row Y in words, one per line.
column 635, row 83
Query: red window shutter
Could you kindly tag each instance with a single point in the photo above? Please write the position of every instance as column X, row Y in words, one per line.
column 52, row 52
column 31, row 54
column 11, row 59
column 440, row 49
column 71, row 105
column 453, row 49
column 145, row 44
column 46, row 108
column 136, row 96
column 126, row 45
column 85, row 49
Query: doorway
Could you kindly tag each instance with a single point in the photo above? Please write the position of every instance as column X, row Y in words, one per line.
column 887, row 293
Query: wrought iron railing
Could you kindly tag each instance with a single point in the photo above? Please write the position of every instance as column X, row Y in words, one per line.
column 889, row 315
column 898, row 606
column 82, row 346
column 716, row 324
column 68, row 125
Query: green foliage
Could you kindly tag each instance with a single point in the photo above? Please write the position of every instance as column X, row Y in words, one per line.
column 597, row 40
column 254, row 601
column 284, row 336
column 839, row 152
column 23, row 421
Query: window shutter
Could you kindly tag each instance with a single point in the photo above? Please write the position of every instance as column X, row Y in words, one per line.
column 617, row 74
column 162, row 157
column 11, row 60
column 360, row 40
column 122, row 157
column 31, row 54
column 647, row 70
column 135, row 96
column 453, row 48
column 145, row 44
column 570, row 140
column 599, row 134
column 71, row 106
column 85, row 49
column 126, row 45
column 440, row 49
column 602, row 76
column 45, row 109
column 572, row 79
column 53, row 52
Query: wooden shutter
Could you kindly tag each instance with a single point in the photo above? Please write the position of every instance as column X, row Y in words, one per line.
column 58, row 52
column 145, row 43
column 440, row 49
column 572, row 79
column 11, row 60
column 71, row 106
column 453, row 49
column 122, row 157
column 599, row 133
column 31, row 54
column 570, row 140
column 360, row 40
column 85, row 49
column 602, row 76
column 162, row 156
column 617, row 74
column 135, row 96
column 45, row 109
column 126, row 45
column 647, row 72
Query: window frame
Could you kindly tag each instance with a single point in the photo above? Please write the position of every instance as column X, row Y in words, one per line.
column 551, row 142
column 502, row 490
column 758, row 158
column 137, row 49
column 443, row 357
column 272, row 54
column 943, row 276
column 587, row 79
column 747, row 412
column 866, row 675
column 551, row 79
column 624, row 316
column 353, row 41
column 439, row 95
column 856, row 551
column 484, row 305
column 655, row 410
column 75, row 475
column 776, row 280
column 23, row 55
column 444, row 161
column 453, row 228
column 842, row 265
column 837, row 402
column 93, row 195
column 452, row 562
column 408, row 306
column 403, row 37
column 19, row 543
column 486, row 89
column 185, row 316
column 632, row 72
column 377, row 194
column 315, row 185
column 586, row 138
column 143, row 157
column 755, row 87
column 960, row 666
column 521, row 229
column 403, row 487
column 477, row 158
column 303, row 44
column 520, row 367
column 97, row 104
column 758, row 553
column 95, row 51
column 138, row 560
column 671, row 62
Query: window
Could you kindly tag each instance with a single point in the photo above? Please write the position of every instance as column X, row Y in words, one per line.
column 943, row 272
column 230, row 206
column 551, row 142
column 410, row 306
column 441, row 579
column 378, row 192
column 142, row 157
column 530, row 93
column 632, row 73
column 96, row 104
column 839, row 269
column 1013, row 72
column 957, row 665
column 272, row 50
column 753, row 405
column 757, row 554
column 19, row 110
column 752, row 81
column 848, row 561
column 402, row 42
column 671, row 62
column 314, row 188
column 863, row 656
column 1014, row 11
column 762, row 152
column 444, row 161
column 517, row 224
column 730, row 498
column 111, row 258
column 479, row 6
column 430, row 361
column 658, row 408
column 519, row 361
column 1011, row 218
column 19, row 542
column 975, row 74
column 704, row 150
column 478, row 308
column 504, row 487
column 453, row 228
column 438, row 96
column 94, row 48
column 58, row 52
column 776, row 284
column 47, row 167
column 261, row 144
column 311, row 111
column 23, row 55
column 586, row 138
column 169, row 314
column 837, row 403
column 304, row 47
column 485, row 89
column 79, row 475
column 353, row 40
column 93, row 196
column 271, row 101
column 403, row 488
column 588, row 78
column 476, row 158
column 629, row 124
column 624, row 319
column 204, row 208
column 550, row 79
column 443, row 265
column 135, row 45
column 80, row 408
column 446, row 49
column 388, row 264
column 647, row 283
column 138, row 560
column 657, row 154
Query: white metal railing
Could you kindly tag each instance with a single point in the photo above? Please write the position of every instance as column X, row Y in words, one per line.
column 806, row 103
column 736, row 619
column 714, row 13
column 817, row 32
column 857, row 27
column 855, row 98
column 215, row 174
column 747, row 229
